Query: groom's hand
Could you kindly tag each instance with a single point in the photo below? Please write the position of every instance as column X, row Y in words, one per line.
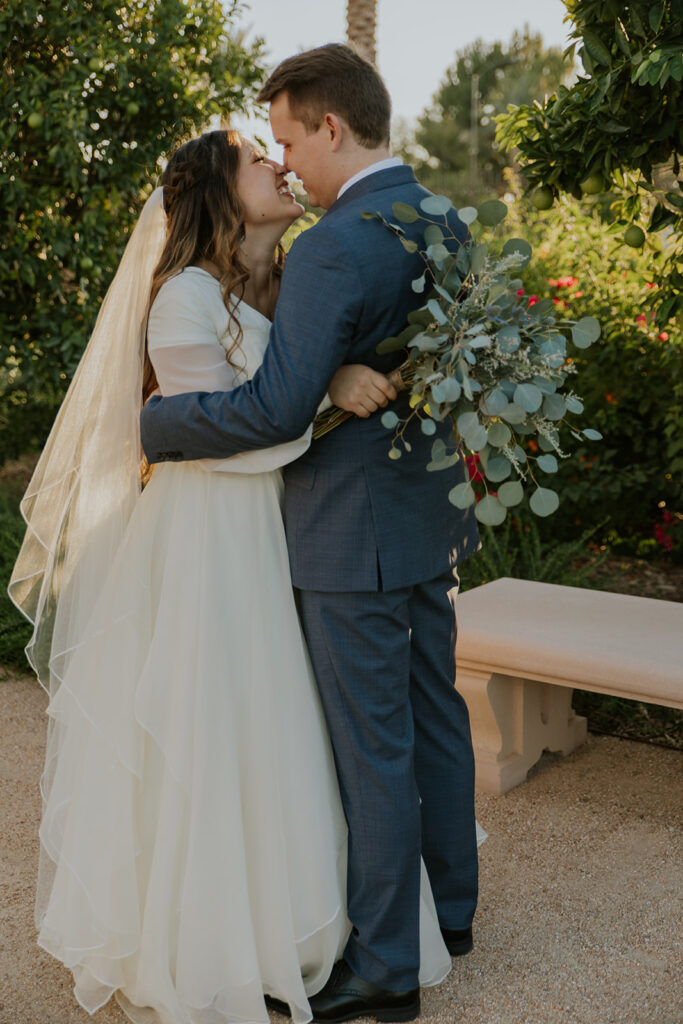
column 360, row 389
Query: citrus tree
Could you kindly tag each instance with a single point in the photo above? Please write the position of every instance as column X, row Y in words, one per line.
column 92, row 93
column 616, row 130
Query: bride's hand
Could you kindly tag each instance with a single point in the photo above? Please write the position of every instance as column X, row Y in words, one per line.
column 360, row 389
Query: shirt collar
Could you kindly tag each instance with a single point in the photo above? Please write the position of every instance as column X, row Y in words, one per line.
column 380, row 165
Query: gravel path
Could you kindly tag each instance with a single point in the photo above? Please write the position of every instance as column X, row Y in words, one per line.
column 579, row 919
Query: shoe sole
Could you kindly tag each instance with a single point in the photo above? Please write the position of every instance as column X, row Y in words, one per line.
column 397, row 1016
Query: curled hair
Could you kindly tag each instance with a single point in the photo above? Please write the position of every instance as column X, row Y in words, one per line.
column 333, row 79
column 205, row 221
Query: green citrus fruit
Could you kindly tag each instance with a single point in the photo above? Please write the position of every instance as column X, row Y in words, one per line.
column 95, row 64
column 634, row 236
column 132, row 108
column 86, row 263
column 593, row 185
column 543, row 198
column 35, row 119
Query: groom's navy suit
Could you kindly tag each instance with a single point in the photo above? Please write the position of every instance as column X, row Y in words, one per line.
column 373, row 545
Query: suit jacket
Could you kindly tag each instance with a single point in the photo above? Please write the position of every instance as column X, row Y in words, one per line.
column 355, row 519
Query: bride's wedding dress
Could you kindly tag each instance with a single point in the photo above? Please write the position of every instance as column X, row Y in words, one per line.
column 195, row 837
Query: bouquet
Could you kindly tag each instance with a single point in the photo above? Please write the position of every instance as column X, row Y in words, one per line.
column 485, row 359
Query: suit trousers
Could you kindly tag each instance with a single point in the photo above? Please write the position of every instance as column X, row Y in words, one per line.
column 385, row 667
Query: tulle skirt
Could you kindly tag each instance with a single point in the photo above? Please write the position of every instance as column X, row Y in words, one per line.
column 193, row 841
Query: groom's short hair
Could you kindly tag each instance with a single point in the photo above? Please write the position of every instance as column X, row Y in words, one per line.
column 332, row 79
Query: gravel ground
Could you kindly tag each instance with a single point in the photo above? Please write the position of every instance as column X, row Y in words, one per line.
column 579, row 916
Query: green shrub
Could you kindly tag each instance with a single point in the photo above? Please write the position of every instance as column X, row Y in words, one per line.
column 91, row 96
column 15, row 630
column 631, row 381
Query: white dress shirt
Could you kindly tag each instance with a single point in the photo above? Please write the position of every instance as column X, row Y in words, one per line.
column 380, row 165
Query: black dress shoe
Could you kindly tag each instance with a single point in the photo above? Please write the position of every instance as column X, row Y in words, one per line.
column 277, row 1004
column 346, row 996
column 458, row 941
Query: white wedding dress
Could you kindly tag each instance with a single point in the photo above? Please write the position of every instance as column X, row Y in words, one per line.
column 195, row 837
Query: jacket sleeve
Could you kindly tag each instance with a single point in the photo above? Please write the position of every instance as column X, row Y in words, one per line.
column 318, row 311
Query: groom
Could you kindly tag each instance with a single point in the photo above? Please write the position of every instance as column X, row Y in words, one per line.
column 373, row 543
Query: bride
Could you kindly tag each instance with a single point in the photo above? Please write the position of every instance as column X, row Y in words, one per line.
column 192, row 841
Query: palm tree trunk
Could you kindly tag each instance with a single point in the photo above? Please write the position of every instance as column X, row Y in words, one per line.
column 361, row 26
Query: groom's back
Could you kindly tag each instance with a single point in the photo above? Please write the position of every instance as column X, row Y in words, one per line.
column 353, row 515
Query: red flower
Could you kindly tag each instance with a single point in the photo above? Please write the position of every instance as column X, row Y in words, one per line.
column 641, row 319
column 651, row 284
column 533, row 299
column 473, row 462
column 567, row 282
column 663, row 336
column 552, row 282
column 576, row 295
column 520, row 293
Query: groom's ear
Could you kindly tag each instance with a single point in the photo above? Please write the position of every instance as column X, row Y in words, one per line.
column 334, row 128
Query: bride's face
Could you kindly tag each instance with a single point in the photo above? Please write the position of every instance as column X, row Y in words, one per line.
column 264, row 192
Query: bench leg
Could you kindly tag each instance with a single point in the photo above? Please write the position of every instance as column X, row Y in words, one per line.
column 513, row 721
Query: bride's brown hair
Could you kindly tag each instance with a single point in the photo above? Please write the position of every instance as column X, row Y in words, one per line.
column 205, row 221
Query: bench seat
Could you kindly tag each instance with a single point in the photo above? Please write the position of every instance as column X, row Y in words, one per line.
column 523, row 646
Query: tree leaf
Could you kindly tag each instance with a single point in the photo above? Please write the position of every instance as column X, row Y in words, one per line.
column 596, row 48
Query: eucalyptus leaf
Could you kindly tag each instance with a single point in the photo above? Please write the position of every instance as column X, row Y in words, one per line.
column 518, row 245
column 476, row 439
column 548, row 463
column 436, row 311
column 428, row 427
column 433, row 234
column 513, row 413
column 445, row 463
column 438, row 253
column 444, row 294
column 529, row 397
column 592, row 435
column 389, row 419
column 462, row 495
column 494, row 403
column 418, row 285
column 554, row 407
column 498, row 434
column 395, row 453
column 467, row 422
column 480, row 341
column 508, row 339
column 510, row 493
column 447, row 390
column 478, row 257
column 544, row 502
column 585, row 332
column 492, row 212
column 389, row 345
column 405, row 213
column 467, row 214
column 489, row 511
column 574, row 404
column 436, row 206
column 438, row 449
column 498, row 468
column 409, row 246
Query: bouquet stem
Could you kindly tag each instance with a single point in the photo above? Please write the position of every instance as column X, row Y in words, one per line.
column 401, row 378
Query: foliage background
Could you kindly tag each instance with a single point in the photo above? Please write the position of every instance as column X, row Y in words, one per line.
column 92, row 94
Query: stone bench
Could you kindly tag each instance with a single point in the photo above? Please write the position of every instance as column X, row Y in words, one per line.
column 523, row 646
